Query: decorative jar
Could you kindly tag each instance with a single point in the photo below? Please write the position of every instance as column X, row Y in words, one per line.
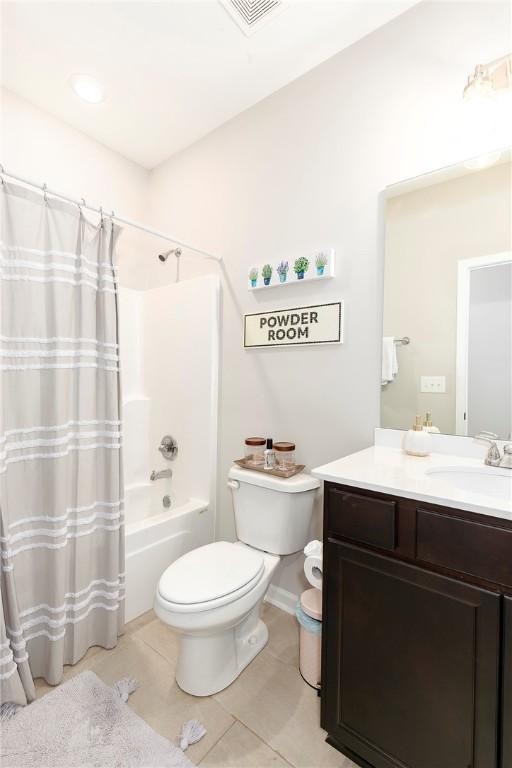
column 254, row 448
column 285, row 455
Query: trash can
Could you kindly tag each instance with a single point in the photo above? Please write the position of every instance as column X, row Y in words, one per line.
column 309, row 616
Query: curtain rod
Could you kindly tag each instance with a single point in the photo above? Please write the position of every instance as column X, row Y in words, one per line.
column 121, row 219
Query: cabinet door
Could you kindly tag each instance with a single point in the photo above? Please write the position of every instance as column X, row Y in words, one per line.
column 506, row 760
column 411, row 661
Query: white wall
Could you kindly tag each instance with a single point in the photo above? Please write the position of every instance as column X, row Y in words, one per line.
column 304, row 169
column 38, row 146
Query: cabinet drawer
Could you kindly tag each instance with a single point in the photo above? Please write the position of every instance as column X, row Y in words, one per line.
column 480, row 550
column 362, row 519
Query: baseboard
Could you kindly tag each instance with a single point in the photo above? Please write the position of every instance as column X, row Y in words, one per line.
column 281, row 598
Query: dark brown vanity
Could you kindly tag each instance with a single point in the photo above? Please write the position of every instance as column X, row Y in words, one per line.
column 417, row 633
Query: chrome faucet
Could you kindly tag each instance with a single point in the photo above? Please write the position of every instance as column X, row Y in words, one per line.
column 494, row 457
column 506, row 461
column 161, row 474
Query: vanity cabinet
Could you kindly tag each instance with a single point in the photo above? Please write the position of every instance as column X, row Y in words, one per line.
column 417, row 633
column 506, row 760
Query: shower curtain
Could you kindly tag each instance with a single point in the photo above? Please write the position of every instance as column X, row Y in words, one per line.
column 61, row 537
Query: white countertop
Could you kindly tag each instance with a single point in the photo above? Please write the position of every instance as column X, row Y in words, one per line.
column 389, row 470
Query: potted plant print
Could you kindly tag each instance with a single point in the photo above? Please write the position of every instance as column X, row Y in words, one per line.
column 321, row 263
column 267, row 274
column 282, row 271
column 253, row 277
column 300, row 267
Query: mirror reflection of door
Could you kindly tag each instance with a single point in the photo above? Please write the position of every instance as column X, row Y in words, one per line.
column 484, row 345
column 448, row 287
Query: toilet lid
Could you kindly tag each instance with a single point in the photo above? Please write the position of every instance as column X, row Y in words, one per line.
column 210, row 572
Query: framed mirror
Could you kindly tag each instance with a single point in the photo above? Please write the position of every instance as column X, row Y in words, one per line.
column 447, row 325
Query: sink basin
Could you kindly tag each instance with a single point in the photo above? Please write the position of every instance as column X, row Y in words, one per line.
column 485, row 481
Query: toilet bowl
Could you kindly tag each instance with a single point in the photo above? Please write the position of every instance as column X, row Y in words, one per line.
column 212, row 596
column 220, row 633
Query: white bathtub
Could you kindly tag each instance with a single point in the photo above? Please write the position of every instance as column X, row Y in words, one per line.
column 156, row 536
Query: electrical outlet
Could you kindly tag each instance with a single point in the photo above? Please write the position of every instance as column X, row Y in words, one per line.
column 435, row 385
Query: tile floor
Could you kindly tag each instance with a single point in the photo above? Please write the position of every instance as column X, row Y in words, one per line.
column 267, row 717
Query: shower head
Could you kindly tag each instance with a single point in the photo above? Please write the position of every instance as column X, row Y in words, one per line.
column 164, row 256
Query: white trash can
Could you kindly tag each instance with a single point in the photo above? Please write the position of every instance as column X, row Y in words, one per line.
column 309, row 616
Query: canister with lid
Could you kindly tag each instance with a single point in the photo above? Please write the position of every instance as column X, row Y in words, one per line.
column 254, row 447
column 285, row 455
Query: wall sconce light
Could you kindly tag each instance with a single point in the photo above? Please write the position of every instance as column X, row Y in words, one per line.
column 490, row 79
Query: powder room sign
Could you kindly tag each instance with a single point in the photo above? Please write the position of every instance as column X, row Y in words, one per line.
column 312, row 324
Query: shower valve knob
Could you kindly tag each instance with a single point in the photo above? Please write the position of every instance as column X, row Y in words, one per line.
column 168, row 447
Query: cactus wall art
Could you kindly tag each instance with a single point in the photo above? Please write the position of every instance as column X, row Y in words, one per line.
column 292, row 271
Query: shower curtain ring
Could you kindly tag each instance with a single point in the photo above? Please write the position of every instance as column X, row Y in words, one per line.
column 101, row 216
column 45, row 188
column 2, row 180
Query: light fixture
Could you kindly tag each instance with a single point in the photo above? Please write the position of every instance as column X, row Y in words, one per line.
column 87, row 88
column 489, row 79
column 483, row 161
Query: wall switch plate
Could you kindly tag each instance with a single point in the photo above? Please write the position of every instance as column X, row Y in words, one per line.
column 435, row 385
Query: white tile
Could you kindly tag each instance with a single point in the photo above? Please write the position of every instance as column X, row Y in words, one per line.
column 240, row 748
column 272, row 700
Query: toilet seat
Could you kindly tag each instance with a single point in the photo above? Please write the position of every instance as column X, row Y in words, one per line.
column 210, row 576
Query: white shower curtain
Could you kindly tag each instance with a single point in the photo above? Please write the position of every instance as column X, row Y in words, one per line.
column 62, row 545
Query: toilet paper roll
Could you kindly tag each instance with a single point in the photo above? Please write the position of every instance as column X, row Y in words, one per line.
column 313, row 568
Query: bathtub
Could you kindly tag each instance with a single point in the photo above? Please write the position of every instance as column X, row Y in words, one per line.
column 156, row 536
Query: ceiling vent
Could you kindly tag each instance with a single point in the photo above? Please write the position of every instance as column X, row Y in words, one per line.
column 250, row 15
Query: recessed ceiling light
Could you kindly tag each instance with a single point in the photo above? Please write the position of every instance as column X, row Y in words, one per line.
column 87, row 88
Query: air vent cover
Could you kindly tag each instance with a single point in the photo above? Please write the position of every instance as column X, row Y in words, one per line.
column 250, row 15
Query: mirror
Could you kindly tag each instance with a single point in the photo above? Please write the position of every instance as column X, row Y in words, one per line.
column 447, row 324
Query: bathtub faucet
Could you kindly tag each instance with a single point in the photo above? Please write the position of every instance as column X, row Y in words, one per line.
column 159, row 475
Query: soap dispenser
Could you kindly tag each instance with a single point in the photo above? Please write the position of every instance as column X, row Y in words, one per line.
column 428, row 426
column 417, row 441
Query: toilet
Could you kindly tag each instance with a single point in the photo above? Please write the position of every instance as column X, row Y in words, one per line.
column 212, row 595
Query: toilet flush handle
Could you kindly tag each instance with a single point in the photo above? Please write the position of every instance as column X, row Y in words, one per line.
column 233, row 484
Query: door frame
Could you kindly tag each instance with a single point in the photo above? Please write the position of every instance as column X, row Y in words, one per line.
column 464, row 269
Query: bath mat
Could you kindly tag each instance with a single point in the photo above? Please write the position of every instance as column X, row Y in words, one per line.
column 85, row 723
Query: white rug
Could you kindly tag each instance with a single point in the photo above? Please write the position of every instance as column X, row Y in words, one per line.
column 81, row 724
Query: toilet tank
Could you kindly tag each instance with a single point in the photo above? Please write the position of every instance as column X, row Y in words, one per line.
column 272, row 513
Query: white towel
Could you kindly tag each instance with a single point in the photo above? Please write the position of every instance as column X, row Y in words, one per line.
column 389, row 359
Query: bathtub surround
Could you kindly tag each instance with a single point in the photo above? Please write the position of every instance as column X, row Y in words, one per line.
column 169, row 360
column 61, row 505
